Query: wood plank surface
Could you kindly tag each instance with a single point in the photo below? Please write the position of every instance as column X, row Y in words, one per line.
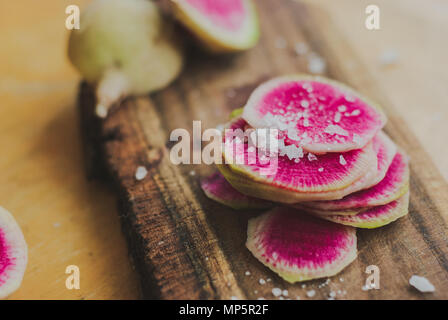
column 186, row 246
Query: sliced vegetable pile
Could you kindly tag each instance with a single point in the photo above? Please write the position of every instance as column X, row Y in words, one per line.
column 332, row 169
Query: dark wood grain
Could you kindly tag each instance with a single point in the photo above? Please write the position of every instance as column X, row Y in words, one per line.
column 185, row 246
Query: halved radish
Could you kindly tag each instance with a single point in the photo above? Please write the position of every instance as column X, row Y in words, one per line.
column 222, row 25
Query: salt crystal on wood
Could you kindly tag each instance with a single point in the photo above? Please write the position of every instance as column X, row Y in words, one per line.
column 141, row 173
column 421, row 284
column 276, row 292
column 311, row 293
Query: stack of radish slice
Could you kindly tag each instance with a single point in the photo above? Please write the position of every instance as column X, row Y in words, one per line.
column 332, row 169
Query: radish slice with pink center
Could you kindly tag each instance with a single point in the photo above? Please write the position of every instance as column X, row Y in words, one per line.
column 217, row 188
column 300, row 247
column 375, row 217
column 391, row 187
column 302, row 174
column 315, row 113
column 222, row 25
column 13, row 254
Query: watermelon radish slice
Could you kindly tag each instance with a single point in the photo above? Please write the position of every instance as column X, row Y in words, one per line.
column 217, row 188
column 375, row 217
column 385, row 150
column 300, row 175
column 315, row 113
column 392, row 187
column 300, row 247
column 13, row 254
column 222, row 25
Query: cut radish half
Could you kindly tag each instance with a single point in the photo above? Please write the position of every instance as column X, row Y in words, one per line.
column 222, row 25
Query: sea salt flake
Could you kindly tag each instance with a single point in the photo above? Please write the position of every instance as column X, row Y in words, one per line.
column 337, row 117
column 276, row 292
column 247, row 273
column 332, row 294
column 335, row 129
column 262, row 281
column 421, row 284
column 285, row 293
column 389, row 57
column 261, row 298
column 301, row 48
column 306, row 123
column 141, row 173
column 305, row 103
column 293, row 152
column 311, row 293
column 316, row 64
column 355, row 112
column 320, row 169
column 234, row 298
column 308, row 87
column 349, row 98
column 220, row 127
column 342, row 160
column 293, row 135
column 101, row 111
column 192, row 173
column 342, row 108
column 312, row 157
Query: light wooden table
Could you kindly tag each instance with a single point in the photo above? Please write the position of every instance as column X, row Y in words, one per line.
column 68, row 220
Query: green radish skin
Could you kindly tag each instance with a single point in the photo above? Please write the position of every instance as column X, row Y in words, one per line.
column 124, row 47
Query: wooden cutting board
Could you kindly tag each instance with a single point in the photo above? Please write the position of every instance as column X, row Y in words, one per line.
column 185, row 246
